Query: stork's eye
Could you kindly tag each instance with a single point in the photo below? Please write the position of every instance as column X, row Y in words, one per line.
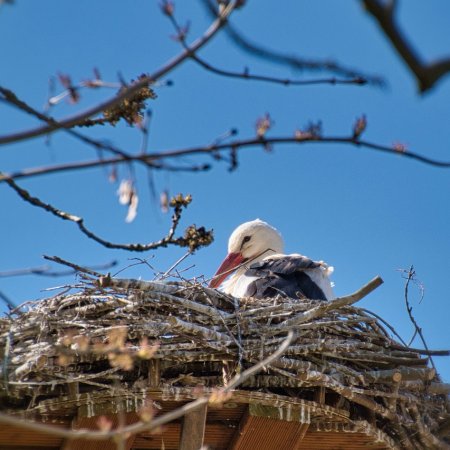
column 246, row 239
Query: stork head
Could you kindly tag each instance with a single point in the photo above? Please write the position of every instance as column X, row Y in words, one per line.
column 251, row 241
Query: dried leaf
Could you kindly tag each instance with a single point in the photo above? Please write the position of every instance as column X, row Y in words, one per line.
column 132, row 208
column 263, row 124
column 128, row 196
column 125, row 192
column 164, row 201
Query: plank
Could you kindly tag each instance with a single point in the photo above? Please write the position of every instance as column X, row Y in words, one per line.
column 193, row 429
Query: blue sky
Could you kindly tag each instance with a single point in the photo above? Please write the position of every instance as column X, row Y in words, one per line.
column 364, row 212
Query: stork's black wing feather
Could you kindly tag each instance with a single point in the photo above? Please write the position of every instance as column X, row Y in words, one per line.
column 285, row 276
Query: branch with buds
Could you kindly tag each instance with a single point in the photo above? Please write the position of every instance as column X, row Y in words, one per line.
column 193, row 238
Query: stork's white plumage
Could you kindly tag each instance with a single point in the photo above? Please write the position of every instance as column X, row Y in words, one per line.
column 258, row 267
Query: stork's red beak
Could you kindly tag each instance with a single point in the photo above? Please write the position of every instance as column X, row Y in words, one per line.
column 228, row 265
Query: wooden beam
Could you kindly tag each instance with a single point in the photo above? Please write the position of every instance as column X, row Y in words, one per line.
column 154, row 373
column 319, row 395
column 74, row 389
column 258, row 430
column 193, row 429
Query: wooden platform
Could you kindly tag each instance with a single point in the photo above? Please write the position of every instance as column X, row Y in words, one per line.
column 247, row 421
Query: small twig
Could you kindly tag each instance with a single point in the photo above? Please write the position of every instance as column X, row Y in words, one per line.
column 246, row 75
column 145, row 128
column 386, row 324
column 139, row 262
column 167, row 273
column 7, row 300
column 411, row 274
column 74, row 266
column 47, row 272
column 239, row 333
column 324, row 307
column 85, row 84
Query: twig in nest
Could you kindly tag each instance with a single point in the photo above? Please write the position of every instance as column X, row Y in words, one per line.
column 7, row 300
column 46, row 272
column 74, row 266
column 411, row 276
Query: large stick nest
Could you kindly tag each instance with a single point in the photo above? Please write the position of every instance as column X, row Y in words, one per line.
column 114, row 331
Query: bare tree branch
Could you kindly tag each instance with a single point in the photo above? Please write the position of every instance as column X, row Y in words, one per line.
column 11, row 98
column 426, row 74
column 291, row 61
column 81, row 117
column 181, row 37
column 79, row 165
column 193, row 237
column 246, row 75
column 215, row 149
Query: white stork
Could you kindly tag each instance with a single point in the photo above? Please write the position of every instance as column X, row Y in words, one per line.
column 258, row 267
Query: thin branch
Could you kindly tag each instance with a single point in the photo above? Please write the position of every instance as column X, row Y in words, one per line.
column 93, row 83
column 193, row 238
column 215, row 148
column 330, row 306
column 246, row 75
column 127, row 92
column 168, row 272
column 386, row 324
column 141, row 426
column 411, row 276
column 181, row 37
column 47, row 272
column 7, row 300
column 75, row 267
column 426, row 74
column 11, row 98
column 291, row 61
